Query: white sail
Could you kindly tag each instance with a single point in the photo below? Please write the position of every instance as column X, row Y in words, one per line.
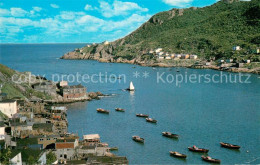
column 131, row 88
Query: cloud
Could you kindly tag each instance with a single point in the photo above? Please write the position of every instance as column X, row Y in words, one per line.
column 65, row 25
column 54, row 6
column 119, row 8
column 38, row 9
column 4, row 12
column 18, row 12
column 178, row 3
column 69, row 15
column 88, row 7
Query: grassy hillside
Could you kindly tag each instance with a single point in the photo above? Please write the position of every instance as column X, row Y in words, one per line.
column 209, row 32
column 23, row 90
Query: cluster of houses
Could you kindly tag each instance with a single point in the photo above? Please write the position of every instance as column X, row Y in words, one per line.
column 74, row 92
column 28, row 126
column 252, row 51
column 159, row 54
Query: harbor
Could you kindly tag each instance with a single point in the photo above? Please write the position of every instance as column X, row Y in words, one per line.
column 178, row 109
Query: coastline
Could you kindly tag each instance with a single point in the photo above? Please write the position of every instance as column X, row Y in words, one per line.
column 182, row 64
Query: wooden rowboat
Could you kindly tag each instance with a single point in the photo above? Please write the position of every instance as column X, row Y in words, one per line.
column 178, row 155
column 138, row 139
column 170, row 135
column 141, row 115
column 151, row 120
column 99, row 110
column 230, row 146
column 120, row 110
column 209, row 159
column 195, row 149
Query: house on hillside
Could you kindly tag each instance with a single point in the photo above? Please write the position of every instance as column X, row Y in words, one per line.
column 2, row 131
column 185, row 56
column 91, row 138
column 8, row 107
column 46, row 87
column 21, row 130
column 158, row 50
column 62, row 84
column 65, row 149
column 194, row 57
column 74, row 92
column 48, row 141
column 236, row 48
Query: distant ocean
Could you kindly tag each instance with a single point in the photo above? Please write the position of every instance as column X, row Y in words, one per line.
column 203, row 114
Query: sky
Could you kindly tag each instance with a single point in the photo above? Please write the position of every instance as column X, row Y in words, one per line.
column 79, row 21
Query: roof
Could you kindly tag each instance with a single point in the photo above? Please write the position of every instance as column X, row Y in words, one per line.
column 73, row 86
column 65, row 140
column 8, row 101
column 91, row 136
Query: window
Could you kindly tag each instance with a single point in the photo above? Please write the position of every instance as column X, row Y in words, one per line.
column 60, row 156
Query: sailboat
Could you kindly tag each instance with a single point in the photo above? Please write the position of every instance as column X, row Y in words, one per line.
column 131, row 87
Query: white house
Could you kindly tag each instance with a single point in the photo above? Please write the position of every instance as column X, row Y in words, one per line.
column 2, row 132
column 91, row 138
column 193, row 57
column 106, row 43
column 161, row 57
column 8, row 107
column 248, row 61
column 168, row 58
column 160, row 53
column 17, row 160
column 178, row 55
column 151, row 52
column 158, row 50
column 236, row 48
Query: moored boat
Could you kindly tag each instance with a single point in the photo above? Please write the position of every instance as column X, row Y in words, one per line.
column 196, row 149
column 142, row 115
column 209, row 159
column 150, row 120
column 131, row 87
column 120, row 110
column 100, row 110
column 170, row 135
column 138, row 139
column 177, row 154
column 113, row 149
column 230, row 146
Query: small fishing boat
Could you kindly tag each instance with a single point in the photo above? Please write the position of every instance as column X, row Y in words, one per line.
column 142, row 115
column 209, row 159
column 230, row 146
column 131, row 87
column 196, row 149
column 120, row 110
column 177, row 154
column 113, row 149
column 150, row 120
column 100, row 110
column 170, row 135
column 138, row 139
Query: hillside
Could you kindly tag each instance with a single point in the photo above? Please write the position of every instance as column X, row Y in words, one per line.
column 208, row 32
column 12, row 89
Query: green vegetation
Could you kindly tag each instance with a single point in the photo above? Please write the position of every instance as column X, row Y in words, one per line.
column 51, row 157
column 209, row 32
column 25, row 142
column 12, row 89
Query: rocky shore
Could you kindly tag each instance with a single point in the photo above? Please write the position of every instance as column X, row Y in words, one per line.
column 105, row 57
